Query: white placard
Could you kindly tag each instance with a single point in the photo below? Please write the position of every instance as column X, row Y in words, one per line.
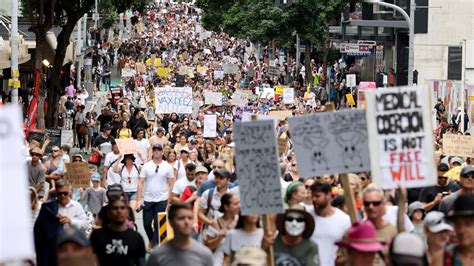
column 258, row 167
column 268, row 93
column 174, row 100
column 218, row 74
column 400, row 137
column 350, row 80
column 240, row 98
column 230, row 68
column 213, row 98
column 16, row 241
column 329, row 143
column 288, row 95
column 128, row 72
column 210, row 126
column 198, row 28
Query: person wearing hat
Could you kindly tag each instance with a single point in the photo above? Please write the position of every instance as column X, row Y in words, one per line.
column 103, row 143
column 437, row 232
column 183, row 161
column 181, row 184
column 407, row 249
column 73, row 245
column 159, row 137
column 129, row 172
column 293, row 245
column 159, row 178
column 416, row 213
column 462, row 217
column 431, row 196
column 466, row 181
column 295, row 194
column 362, row 243
column 210, row 200
column 37, row 172
column 95, row 196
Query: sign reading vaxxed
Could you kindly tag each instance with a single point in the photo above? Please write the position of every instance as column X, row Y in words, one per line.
column 258, row 167
column 174, row 100
column 400, row 137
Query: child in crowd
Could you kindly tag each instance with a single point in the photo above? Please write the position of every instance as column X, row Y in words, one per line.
column 95, row 197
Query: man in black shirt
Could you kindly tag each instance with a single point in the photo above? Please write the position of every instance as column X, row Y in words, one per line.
column 114, row 243
column 104, row 118
column 431, row 196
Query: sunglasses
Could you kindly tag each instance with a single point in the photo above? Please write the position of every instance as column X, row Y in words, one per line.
column 374, row 203
column 62, row 193
column 442, row 177
column 291, row 219
column 157, row 167
column 35, row 154
column 468, row 176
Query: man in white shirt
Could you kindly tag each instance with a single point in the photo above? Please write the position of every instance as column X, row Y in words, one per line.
column 69, row 211
column 159, row 177
column 109, row 175
column 332, row 223
column 181, row 184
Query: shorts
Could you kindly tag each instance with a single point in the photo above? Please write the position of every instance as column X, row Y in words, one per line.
column 90, row 132
column 131, row 196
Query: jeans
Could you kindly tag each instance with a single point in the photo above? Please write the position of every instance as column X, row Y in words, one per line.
column 150, row 213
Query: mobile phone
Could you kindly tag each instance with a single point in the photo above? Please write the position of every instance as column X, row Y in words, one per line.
column 445, row 193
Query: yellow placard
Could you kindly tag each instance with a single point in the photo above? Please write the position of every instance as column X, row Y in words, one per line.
column 350, row 99
column 16, row 84
column 471, row 98
column 148, row 61
column 191, row 75
column 16, row 73
column 157, row 62
column 279, row 90
column 10, row 82
column 201, row 69
column 162, row 72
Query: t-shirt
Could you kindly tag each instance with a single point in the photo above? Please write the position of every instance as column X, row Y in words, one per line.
column 129, row 179
column 391, row 217
column 103, row 144
column 238, row 238
column 212, row 211
column 112, row 177
column 118, row 248
column 428, row 194
column 142, row 146
column 303, row 254
column 181, row 184
column 95, row 199
column 169, row 254
column 156, row 177
column 387, row 232
column 328, row 231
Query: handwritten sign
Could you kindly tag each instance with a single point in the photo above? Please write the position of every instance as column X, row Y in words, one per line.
column 163, row 72
column 174, row 100
column 126, row 146
column 458, row 145
column 230, row 68
column 288, row 95
column 351, row 80
column 268, row 93
column 280, row 114
column 128, row 72
column 239, row 98
column 279, row 90
column 258, row 167
column 78, row 174
column 213, row 98
column 210, row 126
column 201, row 70
column 400, row 137
column 218, row 74
column 157, row 62
column 331, row 142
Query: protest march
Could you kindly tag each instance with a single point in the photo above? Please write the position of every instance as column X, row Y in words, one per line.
column 208, row 154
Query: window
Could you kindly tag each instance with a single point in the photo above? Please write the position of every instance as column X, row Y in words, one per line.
column 454, row 63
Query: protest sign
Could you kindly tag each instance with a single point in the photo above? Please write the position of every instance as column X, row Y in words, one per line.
column 174, row 100
column 210, row 126
column 78, row 174
column 458, row 145
column 350, row 80
column 273, row 71
column 331, row 142
column 400, row 137
column 288, row 96
column 197, row 29
column 268, row 93
column 183, row 70
column 258, row 167
column 157, row 62
column 281, row 114
column 126, row 146
column 162, row 72
column 279, row 90
column 16, row 241
column 128, row 72
column 238, row 111
column 196, row 108
column 282, row 145
column 230, row 68
column 218, row 74
column 180, row 79
column 239, row 98
column 201, row 70
column 213, row 98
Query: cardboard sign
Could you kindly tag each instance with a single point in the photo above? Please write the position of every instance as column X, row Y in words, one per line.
column 350, row 99
column 174, row 100
column 458, row 145
column 16, row 241
column 282, row 145
column 213, row 98
column 400, row 137
column 210, row 126
column 128, row 72
column 281, row 114
column 288, row 95
column 218, row 74
column 258, row 167
column 350, row 80
column 53, row 134
column 163, row 72
column 239, row 98
column 78, row 174
column 126, row 146
column 330, row 142
column 230, row 68
column 279, row 90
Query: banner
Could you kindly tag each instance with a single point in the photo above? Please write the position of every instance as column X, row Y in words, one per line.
column 126, row 146
column 239, row 98
column 458, row 145
column 214, row 98
column 210, row 126
column 174, row 100
column 331, row 142
column 78, row 174
column 258, row 167
column 288, row 95
column 400, row 137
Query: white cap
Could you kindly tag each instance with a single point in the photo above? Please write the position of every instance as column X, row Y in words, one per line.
column 436, row 223
column 408, row 244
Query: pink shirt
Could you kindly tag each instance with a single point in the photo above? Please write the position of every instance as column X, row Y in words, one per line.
column 70, row 91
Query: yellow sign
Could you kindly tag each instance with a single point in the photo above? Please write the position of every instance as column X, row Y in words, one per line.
column 10, row 83
column 148, row 61
column 16, row 73
column 16, row 84
column 157, row 62
column 279, row 90
column 162, row 72
column 201, row 69
column 165, row 231
column 350, row 99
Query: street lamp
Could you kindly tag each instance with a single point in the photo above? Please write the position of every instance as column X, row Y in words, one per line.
column 411, row 28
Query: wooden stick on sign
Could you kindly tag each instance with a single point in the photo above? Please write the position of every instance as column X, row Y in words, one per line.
column 266, row 223
column 349, row 197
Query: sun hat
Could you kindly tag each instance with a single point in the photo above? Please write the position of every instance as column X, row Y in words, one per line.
column 248, row 255
column 130, row 155
column 407, row 249
column 416, row 205
column 434, row 221
column 362, row 236
column 463, row 206
column 308, row 219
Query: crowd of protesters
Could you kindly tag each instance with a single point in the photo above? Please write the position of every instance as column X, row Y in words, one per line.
column 192, row 178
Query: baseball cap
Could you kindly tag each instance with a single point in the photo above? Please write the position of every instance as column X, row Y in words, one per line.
column 466, row 170
column 435, row 222
column 106, row 127
column 185, row 149
column 407, row 249
column 222, row 172
column 157, row 146
column 95, row 176
column 456, row 159
column 463, row 206
column 201, row 169
column 72, row 234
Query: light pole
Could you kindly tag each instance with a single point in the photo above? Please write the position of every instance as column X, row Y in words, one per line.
column 14, row 51
column 411, row 28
